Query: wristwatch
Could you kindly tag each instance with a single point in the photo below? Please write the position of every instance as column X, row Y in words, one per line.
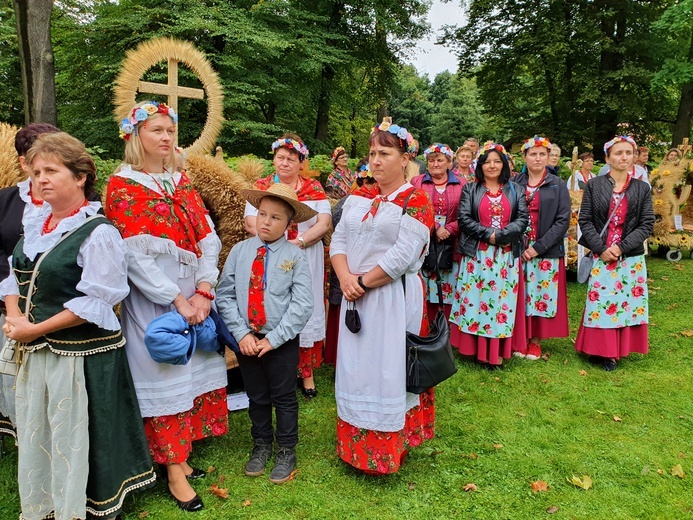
column 361, row 284
column 303, row 242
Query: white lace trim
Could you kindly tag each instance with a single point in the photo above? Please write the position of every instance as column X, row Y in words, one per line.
column 94, row 311
column 176, row 408
column 35, row 242
column 123, row 494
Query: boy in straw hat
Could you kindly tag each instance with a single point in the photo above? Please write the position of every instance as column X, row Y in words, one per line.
column 265, row 298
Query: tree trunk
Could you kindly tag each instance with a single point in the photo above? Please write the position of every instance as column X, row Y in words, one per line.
column 684, row 117
column 36, row 58
column 322, row 121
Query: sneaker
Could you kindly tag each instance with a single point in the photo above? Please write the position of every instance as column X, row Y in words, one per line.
column 258, row 459
column 284, row 465
column 521, row 353
column 533, row 351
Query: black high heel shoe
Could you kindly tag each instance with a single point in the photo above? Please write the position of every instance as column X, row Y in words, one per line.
column 192, row 505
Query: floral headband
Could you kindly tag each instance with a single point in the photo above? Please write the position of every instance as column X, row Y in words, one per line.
column 364, row 171
column 128, row 125
column 489, row 146
column 291, row 144
column 439, row 148
column 620, row 139
column 399, row 131
column 536, row 141
column 337, row 152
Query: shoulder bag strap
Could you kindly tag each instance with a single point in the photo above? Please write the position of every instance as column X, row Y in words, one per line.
column 612, row 215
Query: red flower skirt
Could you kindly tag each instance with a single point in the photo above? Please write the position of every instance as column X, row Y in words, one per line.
column 309, row 358
column 170, row 437
column 381, row 453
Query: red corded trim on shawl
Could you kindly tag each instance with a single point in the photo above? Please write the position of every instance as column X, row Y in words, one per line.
column 419, row 205
column 137, row 210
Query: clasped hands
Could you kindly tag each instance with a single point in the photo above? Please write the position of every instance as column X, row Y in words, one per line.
column 611, row 254
column 19, row 328
column 195, row 309
column 250, row 345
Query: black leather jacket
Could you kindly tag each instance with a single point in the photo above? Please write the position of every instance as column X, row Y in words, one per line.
column 471, row 231
column 554, row 215
column 594, row 213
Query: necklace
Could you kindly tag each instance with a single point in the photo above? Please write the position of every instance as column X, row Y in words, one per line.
column 34, row 200
column 47, row 224
column 439, row 184
column 625, row 185
column 161, row 187
column 496, row 194
column 541, row 181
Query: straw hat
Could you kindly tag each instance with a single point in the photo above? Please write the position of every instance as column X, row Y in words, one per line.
column 283, row 192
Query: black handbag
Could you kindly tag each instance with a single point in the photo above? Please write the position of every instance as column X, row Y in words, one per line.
column 429, row 358
column 352, row 319
column 439, row 254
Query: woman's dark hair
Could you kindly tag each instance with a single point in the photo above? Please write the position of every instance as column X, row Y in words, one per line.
column 586, row 155
column 505, row 171
column 26, row 136
column 385, row 138
column 360, row 181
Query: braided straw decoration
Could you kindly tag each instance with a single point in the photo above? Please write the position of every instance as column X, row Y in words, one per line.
column 148, row 54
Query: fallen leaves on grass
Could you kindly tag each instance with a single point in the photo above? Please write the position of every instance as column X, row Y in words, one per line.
column 665, row 278
column 545, row 356
column 565, row 361
column 687, row 333
column 681, row 455
column 211, row 469
column 220, row 492
column 143, row 514
column 678, row 267
column 583, row 373
column 246, row 503
column 473, row 456
column 660, row 472
column 617, row 418
column 584, row 483
column 553, row 509
column 672, row 306
column 498, row 446
column 470, row 487
column 677, row 471
column 412, row 485
column 539, row 485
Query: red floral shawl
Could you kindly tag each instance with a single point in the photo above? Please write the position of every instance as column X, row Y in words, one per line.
column 418, row 206
column 137, row 210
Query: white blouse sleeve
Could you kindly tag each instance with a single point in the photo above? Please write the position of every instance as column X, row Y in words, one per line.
column 103, row 259
column 250, row 210
column 207, row 270
column 323, row 207
column 9, row 285
column 408, row 252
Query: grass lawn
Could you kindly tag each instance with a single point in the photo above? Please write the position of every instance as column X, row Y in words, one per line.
column 533, row 421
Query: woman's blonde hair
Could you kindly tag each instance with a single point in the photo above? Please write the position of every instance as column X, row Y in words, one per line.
column 134, row 151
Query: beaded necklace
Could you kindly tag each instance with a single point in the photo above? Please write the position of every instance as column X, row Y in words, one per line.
column 34, row 200
column 47, row 224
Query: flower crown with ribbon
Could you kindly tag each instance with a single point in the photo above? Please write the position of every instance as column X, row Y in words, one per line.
column 337, row 152
column 439, row 148
column 291, row 144
column 536, row 141
column 128, row 125
column 491, row 146
column 620, row 139
column 401, row 132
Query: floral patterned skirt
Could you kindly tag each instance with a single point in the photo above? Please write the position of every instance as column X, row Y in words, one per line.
column 382, row 453
column 309, row 358
column 449, row 281
column 170, row 437
column 549, row 305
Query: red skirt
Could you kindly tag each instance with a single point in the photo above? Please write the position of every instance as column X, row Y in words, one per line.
column 309, row 358
column 332, row 334
column 381, row 453
column 612, row 343
column 556, row 327
column 433, row 308
column 170, row 437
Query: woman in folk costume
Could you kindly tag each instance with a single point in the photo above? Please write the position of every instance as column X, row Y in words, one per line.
column 616, row 217
column 444, row 188
column 377, row 251
column 492, row 219
column 289, row 152
column 172, row 265
column 339, row 183
column 543, row 266
column 81, row 442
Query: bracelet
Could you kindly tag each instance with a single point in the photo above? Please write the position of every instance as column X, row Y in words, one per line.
column 303, row 242
column 206, row 294
column 361, row 284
